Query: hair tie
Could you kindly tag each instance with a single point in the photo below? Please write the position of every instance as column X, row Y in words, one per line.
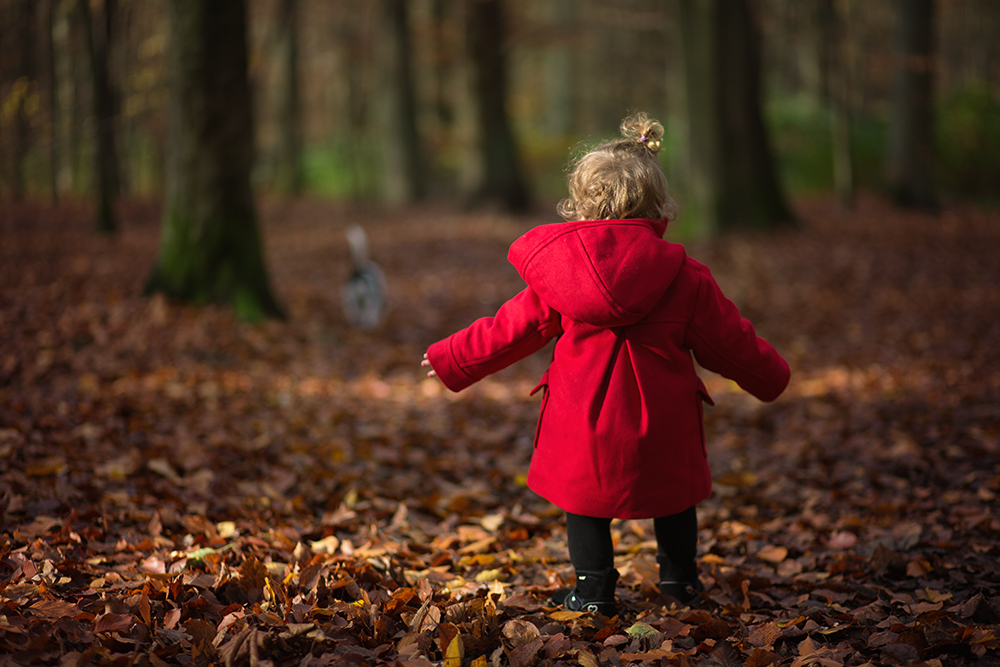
column 651, row 144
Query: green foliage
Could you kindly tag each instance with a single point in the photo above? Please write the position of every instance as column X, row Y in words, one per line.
column 868, row 144
column 800, row 135
column 342, row 169
column 968, row 143
column 967, row 129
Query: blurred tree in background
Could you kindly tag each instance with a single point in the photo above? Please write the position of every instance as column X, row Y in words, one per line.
column 910, row 153
column 20, row 91
column 98, row 35
column 732, row 172
column 288, row 174
column 494, row 175
column 210, row 249
column 386, row 101
column 403, row 174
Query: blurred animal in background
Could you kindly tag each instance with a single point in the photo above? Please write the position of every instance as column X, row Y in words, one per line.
column 364, row 293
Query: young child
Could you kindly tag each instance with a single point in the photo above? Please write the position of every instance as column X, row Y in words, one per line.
column 620, row 432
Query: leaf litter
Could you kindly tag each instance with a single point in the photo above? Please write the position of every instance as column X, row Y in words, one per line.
column 177, row 487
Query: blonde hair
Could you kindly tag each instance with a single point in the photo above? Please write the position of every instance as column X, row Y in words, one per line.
column 621, row 179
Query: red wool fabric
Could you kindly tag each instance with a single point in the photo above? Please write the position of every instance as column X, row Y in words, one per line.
column 620, row 431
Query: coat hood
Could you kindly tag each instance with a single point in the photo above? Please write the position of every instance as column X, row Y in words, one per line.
column 605, row 273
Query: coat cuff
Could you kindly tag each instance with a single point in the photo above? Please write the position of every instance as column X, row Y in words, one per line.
column 443, row 362
column 774, row 386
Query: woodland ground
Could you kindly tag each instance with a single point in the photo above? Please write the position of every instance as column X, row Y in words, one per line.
column 177, row 487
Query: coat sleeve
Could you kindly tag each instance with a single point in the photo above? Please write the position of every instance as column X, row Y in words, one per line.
column 522, row 326
column 726, row 343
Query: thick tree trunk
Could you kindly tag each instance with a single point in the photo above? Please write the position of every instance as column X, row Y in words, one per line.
column 733, row 172
column 403, row 166
column 288, row 171
column 910, row 157
column 210, row 249
column 501, row 182
column 98, row 39
column 698, row 40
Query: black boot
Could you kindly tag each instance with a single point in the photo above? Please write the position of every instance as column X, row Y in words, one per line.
column 594, row 591
column 684, row 592
column 679, row 581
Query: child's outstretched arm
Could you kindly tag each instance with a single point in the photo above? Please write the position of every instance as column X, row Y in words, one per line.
column 522, row 326
column 726, row 343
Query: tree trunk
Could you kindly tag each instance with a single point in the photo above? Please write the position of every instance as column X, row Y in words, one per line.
column 834, row 25
column 24, row 93
column 98, row 40
column 698, row 36
column 51, row 89
column 443, row 73
column 65, row 35
column 288, row 171
column 559, row 80
column 910, row 156
column 733, row 174
column 403, row 166
column 210, row 250
column 500, row 181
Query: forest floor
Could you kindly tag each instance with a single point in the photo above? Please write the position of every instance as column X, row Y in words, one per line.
column 177, row 487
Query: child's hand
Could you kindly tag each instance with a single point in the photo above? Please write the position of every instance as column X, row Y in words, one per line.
column 426, row 362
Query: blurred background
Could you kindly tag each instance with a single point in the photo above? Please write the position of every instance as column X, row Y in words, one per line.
column 398, row 100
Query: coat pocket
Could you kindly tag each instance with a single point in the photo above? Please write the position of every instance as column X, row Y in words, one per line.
column 702, row 397
column 543, row 386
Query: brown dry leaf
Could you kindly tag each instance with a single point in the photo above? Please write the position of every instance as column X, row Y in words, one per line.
column 54, row 609
column 155, row 565
column 813, row 653
column 428, row 622
column 918, row 567
column 764, row 635
column 724, row 655
column 114, row 623
column 557, row 646
column 654, row 654
column 772, row 554
column 171, row 618
column 253, row 576
column 762, row 658
column 562, row 616
column 144, row 608
column 524, row 655
column 517, row 633
column 842, row 540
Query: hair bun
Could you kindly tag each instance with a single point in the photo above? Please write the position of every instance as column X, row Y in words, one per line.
column 640, row 127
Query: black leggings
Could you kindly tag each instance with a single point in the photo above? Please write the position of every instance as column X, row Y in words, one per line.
column 591, row 550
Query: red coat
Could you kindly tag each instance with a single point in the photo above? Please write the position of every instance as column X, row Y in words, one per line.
column 620, row 432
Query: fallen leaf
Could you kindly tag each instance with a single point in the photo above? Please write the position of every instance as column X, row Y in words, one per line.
column 114, row 623
column 54, row 609
column 772, row 554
